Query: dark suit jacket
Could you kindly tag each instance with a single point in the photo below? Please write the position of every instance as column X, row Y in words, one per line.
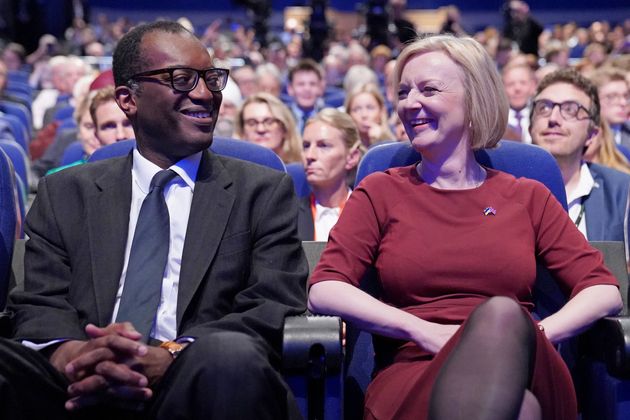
column 306, row 225
column 242, row 266
column 606, row 207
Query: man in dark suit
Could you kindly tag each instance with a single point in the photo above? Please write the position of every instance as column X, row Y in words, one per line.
column 234, row 268
column 564, row 120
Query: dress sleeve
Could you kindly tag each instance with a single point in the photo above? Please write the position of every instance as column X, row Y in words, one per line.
column 563, row 249
column 353, row 242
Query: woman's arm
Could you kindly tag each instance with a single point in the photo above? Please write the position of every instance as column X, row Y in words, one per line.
column 359, row 308
column 581, row 311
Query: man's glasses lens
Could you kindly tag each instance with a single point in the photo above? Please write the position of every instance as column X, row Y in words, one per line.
column 186, row 79
column 569, row 110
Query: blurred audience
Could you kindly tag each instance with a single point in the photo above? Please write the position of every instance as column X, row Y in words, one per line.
column 614, row 97
column 306, row 88
column 263, row 119
column 366, row 106
column 520, row 85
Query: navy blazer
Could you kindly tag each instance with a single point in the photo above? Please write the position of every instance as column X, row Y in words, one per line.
column 606, row 207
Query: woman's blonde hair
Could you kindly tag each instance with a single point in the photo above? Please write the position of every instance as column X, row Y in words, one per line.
column 372, row 89
column 486, row 104
column 342, row 122
column 608, row 154
column 292, row 144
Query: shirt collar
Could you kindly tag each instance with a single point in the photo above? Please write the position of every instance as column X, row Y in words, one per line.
column 143, row 170
column 585, row 184
column 321, row 210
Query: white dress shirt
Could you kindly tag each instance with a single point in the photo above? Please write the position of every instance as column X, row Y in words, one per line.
column 178, row 194
column 325, row 219
column 513, row 122
column 576, row 197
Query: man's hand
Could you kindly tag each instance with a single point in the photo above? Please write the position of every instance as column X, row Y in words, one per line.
column 112, row 366
column 124, row 383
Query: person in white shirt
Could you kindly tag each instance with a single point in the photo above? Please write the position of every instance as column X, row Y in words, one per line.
column 565, row 120
column 330, row 155
column 520, row 84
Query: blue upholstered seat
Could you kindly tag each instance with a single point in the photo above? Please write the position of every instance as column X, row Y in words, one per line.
column 227, row 147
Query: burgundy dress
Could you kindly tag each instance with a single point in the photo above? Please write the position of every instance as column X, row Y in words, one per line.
column 440, row 253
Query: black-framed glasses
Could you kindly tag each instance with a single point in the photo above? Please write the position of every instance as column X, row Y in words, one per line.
column 570, row 110
column 185, row 79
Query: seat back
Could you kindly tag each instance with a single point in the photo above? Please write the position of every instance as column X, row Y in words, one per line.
column 18, row 110
column 296, row 171
column 518, row 159
column 73, row 152
column 21, row 162
column 238, row 149
column 8, row 223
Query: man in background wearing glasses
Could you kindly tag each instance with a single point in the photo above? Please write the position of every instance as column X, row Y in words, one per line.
column 231, row 265
column 564, row 120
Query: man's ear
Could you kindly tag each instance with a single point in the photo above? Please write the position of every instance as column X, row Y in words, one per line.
column 126, row 100
column 593, row 130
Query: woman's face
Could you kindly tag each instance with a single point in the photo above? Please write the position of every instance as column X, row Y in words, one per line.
column 431, row 102
column 86, row 135
column 365, row 111
column 325, row 155
column 262, row 127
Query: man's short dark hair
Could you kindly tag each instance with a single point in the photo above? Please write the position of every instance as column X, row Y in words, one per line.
column 306, row 64
column 572, row 77
column 128, row 58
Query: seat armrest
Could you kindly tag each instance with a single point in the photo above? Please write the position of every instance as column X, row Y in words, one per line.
column 312, row 342
column 609, row 342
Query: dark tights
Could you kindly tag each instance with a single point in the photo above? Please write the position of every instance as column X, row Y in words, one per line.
column 487, row 373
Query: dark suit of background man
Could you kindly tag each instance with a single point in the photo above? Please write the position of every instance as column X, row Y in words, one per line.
column 224, row 299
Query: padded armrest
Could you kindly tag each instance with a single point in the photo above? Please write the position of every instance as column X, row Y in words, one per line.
column 609, row 342
column 312, row 339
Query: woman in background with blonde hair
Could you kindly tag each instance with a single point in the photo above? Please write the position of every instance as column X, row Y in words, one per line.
column 366, row 105
column 603, row 150
column 263, row 119
column 330, row 155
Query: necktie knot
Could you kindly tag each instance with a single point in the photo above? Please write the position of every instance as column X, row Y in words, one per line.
column 162, row 178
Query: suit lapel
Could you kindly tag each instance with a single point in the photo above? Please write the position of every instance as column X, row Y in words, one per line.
column 209, row 213
column 595, row 209
column 108, row 225
column 306, row 225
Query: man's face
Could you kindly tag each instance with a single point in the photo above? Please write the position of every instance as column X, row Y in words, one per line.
column 564, row 138
column 614, row 98
column 111, row 124
column 306, row 88
column 246, row 79
column 519, row 86
column 171, row 125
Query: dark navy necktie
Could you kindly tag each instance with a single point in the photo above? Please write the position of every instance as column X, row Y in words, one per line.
column 147, row 259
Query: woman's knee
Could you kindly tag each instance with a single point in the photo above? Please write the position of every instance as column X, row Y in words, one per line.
column 502, row 312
